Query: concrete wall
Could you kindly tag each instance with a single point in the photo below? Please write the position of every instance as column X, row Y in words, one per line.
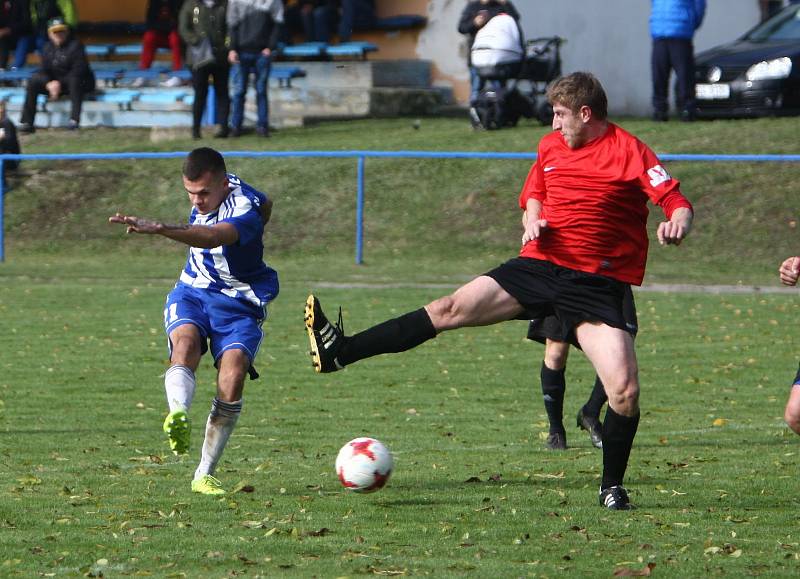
column 607, row 37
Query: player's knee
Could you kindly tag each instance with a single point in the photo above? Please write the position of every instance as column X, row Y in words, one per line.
column 623, row 394
column 555, row 357
column 186, row 349
column 444, row 312
column 792, row 417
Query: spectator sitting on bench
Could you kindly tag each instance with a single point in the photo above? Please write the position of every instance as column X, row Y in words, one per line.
column 161, row 31
column 65, row 71
column 355, row 13
column 41, row 12
column 314, row 18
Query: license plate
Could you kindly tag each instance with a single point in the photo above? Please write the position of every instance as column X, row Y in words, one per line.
column 712, row 91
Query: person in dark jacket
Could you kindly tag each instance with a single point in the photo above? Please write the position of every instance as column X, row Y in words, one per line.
column 32, row 29
column 65, row 71
column 161, row 31
column 474, row 17
column 254, row 28
column 672, row 27
column 202, row 22
column 8, row 141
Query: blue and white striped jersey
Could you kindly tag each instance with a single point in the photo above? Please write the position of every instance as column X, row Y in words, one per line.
column 236, row 270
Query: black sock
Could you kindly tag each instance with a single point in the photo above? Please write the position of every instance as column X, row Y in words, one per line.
column 618, row 434
column 396, row 335
column 596, row 399
column 553, row 387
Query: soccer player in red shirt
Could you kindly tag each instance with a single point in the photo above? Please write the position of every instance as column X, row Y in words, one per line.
column 789, row 273
column 585, row 203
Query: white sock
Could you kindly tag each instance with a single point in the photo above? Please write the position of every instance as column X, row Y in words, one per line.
column 219, row 427
column 180, row 384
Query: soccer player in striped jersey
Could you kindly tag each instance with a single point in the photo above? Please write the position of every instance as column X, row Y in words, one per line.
column 219, row 302
column 789, row 273
column 585, row 239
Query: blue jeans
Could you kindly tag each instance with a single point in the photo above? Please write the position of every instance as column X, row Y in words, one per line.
column 260, row 64
column 26, row 45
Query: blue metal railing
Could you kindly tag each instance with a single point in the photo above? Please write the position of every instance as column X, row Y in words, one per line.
column 361, row 157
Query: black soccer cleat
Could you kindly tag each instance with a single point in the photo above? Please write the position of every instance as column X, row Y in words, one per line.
column 557, row 441
column 615, row 498
column 325, row 338
column 592, row 425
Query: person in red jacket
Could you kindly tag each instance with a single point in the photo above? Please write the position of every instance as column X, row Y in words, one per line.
column 789, row 273
column 161, row 31
column 585, row 203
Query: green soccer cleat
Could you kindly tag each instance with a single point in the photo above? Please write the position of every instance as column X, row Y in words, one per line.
column 178, row 430
column 207, row 485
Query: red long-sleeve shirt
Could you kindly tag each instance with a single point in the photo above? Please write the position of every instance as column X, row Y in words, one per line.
column 594, row 199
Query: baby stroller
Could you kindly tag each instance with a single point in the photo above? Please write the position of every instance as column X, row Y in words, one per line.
column 513, row 76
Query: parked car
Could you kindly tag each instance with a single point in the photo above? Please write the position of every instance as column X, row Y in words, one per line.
column 756, row 75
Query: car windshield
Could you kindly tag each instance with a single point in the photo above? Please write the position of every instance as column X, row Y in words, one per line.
column 783, row 26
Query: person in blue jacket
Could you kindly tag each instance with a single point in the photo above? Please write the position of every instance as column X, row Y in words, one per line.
column 672, row 27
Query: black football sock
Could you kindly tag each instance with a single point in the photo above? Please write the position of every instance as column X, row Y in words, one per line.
column 553, row 387
column 618, row 434
column 395, row 335
column 596, row 399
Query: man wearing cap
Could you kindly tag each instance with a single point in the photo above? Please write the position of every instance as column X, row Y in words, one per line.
column 65, row 71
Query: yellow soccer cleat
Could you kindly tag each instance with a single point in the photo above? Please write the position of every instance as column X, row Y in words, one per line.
column 178, row 430
column 207, row 485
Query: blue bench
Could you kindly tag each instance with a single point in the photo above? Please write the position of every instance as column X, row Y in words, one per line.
column 356, row 49
column 16, row 76
column 163, row 96
column 100, row 50
column 304, row 50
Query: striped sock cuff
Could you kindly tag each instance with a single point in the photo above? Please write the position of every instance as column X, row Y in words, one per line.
column 220, row 408
column 178, row 369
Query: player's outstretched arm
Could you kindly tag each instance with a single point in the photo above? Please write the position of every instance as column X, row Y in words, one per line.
column 673, row 231
column 790, row 270
column 202, row 236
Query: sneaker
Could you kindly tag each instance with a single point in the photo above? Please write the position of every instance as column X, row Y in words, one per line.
column 73, row 125
column 178, row 430
column 207, row 485
column 262, row 132
column 172, row 82
column 557, row 441
column 475, row 118
column 592, row 425
column 615, row 498
column 660, row 117
column 236, row 132
column 138, row 82
column 326, row 340
column 222, row 133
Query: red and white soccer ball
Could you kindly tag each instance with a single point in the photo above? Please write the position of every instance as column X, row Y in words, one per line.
column 364, row 465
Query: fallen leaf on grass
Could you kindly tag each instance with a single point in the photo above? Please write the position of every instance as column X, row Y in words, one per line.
column 628, row 572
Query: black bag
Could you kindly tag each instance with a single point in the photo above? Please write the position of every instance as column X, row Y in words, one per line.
column 201, row 54
column 496, row 108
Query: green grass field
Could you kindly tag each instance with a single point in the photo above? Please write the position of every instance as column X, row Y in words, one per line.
column 88, row 488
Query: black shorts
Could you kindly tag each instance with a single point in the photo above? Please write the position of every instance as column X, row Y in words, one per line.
column 550, row 328
column 572, row 297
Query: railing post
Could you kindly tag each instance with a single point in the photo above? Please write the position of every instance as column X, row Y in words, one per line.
column 2, row 211
column 360, row 212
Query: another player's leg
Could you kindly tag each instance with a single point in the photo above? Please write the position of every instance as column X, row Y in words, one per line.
column 589, row 415
column 611, row 352
column 480, row 302
column 179, row 384
column 553, row 388
column 225, row 411
column 792, row 412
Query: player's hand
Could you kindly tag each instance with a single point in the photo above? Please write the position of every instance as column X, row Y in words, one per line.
column 790, row 271
column 137, row 224
column 533, row 230
column 671, row 233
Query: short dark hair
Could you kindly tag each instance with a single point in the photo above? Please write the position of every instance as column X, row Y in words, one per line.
column 577, row 90
column 201, row 161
